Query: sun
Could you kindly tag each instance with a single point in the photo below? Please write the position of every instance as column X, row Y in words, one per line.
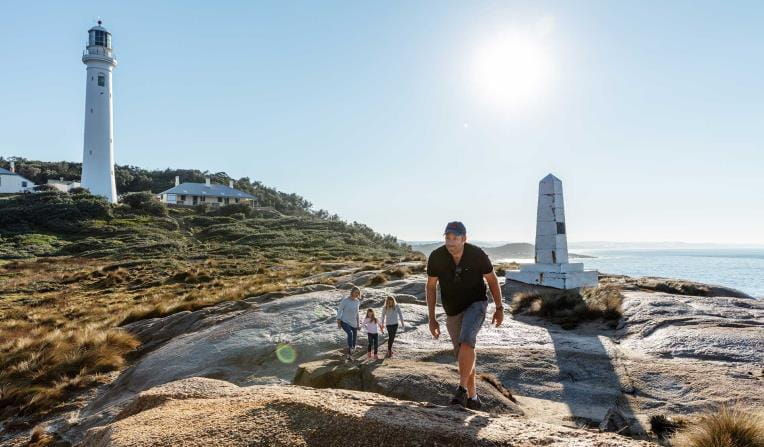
column 512, row 71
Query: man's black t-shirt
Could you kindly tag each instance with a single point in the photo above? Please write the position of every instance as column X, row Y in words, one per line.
column 460, row 285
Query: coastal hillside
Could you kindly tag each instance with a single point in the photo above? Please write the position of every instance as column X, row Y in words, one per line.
column 75, row 269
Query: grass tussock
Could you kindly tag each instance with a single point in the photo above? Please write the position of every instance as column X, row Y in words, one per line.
column 43, row 438
column 568, row 308
column 397, row 272
column 378, row 279
column 726, row 427
column 664, row 427
column 38, row 369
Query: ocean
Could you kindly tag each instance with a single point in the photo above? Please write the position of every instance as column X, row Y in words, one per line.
column 739, row 268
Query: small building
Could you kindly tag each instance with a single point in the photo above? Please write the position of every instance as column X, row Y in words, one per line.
column 63, row 185
column 191, row 194
column 12, row 183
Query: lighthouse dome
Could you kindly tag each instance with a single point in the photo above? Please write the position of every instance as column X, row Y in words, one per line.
column 99, row 36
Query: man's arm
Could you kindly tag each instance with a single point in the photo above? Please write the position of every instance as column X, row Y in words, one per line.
column 493, row 285
column 431, row 295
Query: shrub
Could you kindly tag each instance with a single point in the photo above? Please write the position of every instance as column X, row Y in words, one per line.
column 234, row 208
column 501, row 268
column 202, row 208
column 378, row 279
column 726, row 427
column 665, row 427
column 397, row 273
column 568, row 308
column 145, row 202
column 52, row 210
column 45, row 187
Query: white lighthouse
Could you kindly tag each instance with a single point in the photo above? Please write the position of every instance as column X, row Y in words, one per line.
column 98, row 148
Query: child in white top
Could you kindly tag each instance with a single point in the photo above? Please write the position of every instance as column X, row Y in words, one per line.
column 372, row 326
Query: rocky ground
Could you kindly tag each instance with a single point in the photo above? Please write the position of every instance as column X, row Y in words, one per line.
column 543, row 385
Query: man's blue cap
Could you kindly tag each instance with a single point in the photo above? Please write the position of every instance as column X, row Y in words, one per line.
column 457, row 228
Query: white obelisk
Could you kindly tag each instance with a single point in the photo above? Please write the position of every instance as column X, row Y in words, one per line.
column 552, row 268
column 98, row 149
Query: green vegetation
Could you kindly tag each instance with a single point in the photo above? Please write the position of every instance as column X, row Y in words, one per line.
column 59, row 224
column 74, row 269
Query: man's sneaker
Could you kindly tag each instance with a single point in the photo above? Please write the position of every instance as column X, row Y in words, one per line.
column 368, row 355
column 460, row 396
column 474, row 403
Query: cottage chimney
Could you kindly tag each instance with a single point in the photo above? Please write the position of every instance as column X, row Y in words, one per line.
column 13, row 166
column 230, row 183
column 177, row 180
column 207, row 181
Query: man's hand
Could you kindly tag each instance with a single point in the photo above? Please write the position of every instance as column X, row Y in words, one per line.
column 498, row 316
column 434, row 327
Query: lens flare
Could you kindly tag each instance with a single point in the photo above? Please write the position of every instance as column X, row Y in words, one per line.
column 286, row 353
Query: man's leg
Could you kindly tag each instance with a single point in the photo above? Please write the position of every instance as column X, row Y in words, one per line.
column 471, row 324
column 454, row 327
column 466, row 360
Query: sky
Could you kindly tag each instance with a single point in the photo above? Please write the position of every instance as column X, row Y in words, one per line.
column 407, row 115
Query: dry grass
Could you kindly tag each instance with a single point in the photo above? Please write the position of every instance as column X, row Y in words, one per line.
column 726, row 427
column 60, row 317
column 502, row 267
column 37, row 369
column 568, row 308
column 378, row 279
column 397, row 272
column 665, row 427
column 42, row 438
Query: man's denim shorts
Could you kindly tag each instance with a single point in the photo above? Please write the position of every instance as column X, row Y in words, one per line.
column 464, row 327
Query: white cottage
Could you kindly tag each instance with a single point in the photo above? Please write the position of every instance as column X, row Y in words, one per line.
column 197, row 193
column 12, row 183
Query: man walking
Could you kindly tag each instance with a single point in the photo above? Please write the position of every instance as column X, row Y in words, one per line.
column 462, row 270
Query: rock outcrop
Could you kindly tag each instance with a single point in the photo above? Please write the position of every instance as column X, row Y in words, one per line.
column 403, row 379
column 202, row 412
column 670, row 354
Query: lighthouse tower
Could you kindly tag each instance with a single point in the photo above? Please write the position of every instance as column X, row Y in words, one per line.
column 98, row 149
